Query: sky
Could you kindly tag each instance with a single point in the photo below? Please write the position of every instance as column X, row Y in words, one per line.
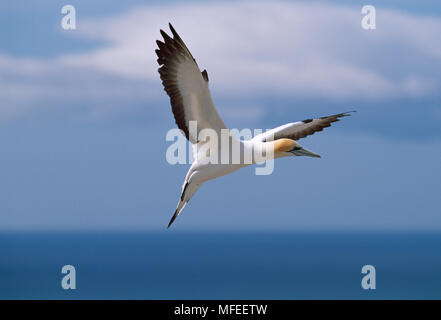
column 83, row 116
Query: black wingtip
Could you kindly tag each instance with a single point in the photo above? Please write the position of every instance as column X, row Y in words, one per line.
column 166, row 37
column 160, row 44
column 175, row 34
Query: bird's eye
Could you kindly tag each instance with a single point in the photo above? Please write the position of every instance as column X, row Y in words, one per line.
column 296, row 148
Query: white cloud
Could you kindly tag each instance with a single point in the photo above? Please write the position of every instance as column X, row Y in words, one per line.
column 27, row 85
column 249, row 48
column 291, row 48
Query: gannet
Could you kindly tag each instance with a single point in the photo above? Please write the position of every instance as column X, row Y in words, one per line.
column 191, row 101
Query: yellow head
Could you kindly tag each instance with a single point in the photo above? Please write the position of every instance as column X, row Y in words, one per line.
column 284, row 145
column 288, row 147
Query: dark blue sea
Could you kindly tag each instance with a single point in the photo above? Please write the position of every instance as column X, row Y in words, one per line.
column 220, row 265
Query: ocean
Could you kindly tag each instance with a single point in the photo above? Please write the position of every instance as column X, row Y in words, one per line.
column 220, row 265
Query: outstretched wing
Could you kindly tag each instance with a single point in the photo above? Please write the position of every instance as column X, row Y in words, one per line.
column 301, row 129
column 186, row 86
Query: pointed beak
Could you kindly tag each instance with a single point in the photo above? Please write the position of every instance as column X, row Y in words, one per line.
column 300, row 151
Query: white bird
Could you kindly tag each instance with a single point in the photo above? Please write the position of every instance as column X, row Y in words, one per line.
column 190, row 99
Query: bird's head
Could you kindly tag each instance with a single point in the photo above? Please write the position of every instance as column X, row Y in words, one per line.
column 288, row 147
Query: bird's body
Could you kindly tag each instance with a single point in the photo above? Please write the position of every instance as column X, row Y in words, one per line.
column 216, row 151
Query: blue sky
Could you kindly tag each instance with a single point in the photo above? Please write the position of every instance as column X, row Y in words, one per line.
column 83, row 116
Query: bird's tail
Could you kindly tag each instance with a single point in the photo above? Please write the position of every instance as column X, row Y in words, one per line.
column 179, row 208
column 188, row 190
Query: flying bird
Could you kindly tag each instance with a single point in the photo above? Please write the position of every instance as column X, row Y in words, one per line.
column 191, row 100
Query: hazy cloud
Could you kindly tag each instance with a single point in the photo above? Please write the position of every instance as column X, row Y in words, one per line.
column 249, row 48
column 291, row 48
